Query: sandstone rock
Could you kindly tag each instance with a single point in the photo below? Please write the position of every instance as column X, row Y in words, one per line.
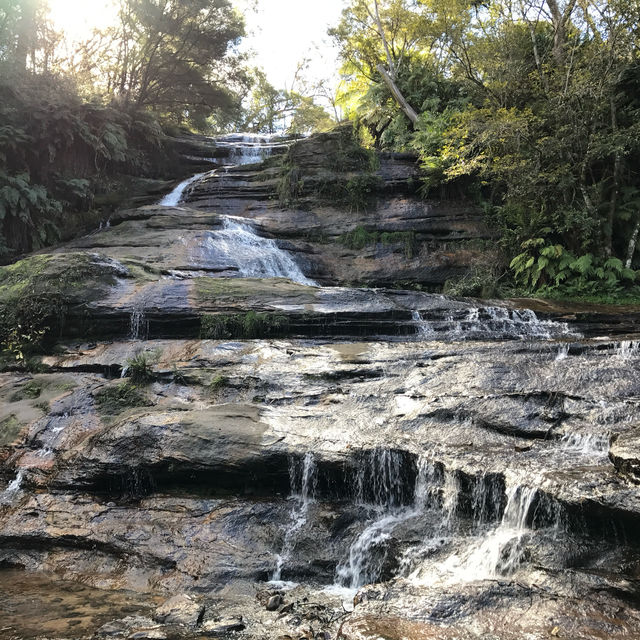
column 223, row 627
column 181, row 609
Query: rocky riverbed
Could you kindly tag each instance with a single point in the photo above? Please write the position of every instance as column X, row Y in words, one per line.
column 217, row 446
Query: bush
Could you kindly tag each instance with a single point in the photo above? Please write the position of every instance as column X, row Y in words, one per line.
column 139, row 368
column 252, row 324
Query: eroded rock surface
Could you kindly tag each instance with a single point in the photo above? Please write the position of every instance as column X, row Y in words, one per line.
column 283, row 460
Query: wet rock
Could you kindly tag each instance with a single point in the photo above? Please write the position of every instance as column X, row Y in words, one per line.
column 625, row 454
column 181, row 609
column 127, row 627
column 274, row 602
column 223, row 627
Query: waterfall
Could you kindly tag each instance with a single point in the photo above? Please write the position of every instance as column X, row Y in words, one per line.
column 303, row 478
column 174, row 198
column 12, row 488
column 591, row 445
column 563, row 352
column 242, row 249
column 626, row 349
column 138, row 324
column 501, row 551
column 425, row 330
column 490, row 323
column 381, row 486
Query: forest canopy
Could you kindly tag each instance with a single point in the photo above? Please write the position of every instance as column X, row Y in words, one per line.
column 531, row 105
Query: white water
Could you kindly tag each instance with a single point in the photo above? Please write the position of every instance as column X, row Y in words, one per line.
column 563, row 352
column 238, row 246
column 590, row 445
column 138, row 324
column 303, row 483
column 379, row 483
column 499, row 552
column 627, row 349
column 12, row 488
column 174, row 198
column 489, row 323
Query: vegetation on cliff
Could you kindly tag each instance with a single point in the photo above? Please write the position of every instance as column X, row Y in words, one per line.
column 531, row 107
column 72, row 124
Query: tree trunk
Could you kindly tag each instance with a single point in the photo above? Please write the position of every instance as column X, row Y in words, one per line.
column 615, row 188
column 26, row 33
column 633, row 241
column 397, row 94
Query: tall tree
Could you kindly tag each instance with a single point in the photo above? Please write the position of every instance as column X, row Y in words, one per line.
column 176, row 56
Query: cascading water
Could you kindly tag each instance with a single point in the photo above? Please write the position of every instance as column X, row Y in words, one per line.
column 490, row 323
column 174, row 198
column 251, row 256
column 12, row 488
column 302, row 479
column 627, row 349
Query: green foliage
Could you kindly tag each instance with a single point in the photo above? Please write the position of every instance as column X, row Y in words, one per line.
column 533, row 111
column 31, row 390
column 547, row 268
column 217, row 383
column 114, row 399
column 360, row 237
column 139, row 368
column 55, row 151
column 252, row 324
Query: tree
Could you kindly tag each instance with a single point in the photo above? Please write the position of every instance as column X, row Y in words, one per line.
column 377, row 39
column 175, row 56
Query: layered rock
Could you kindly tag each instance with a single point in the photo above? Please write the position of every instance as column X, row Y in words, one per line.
column 456, row 468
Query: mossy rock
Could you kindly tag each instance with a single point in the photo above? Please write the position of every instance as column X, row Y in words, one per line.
column 10, row 429
column 253, row 290
column 36, row 292
column 115, row 399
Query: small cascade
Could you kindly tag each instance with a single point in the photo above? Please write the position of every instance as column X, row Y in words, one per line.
column 12, row 488
column 450, row 496
column 380, row 478
column 563, row 352
column 425, row 330
column 627, row 349
column 174, row 198
column 500, row 322
column 246, row 148
column 240, row 248
column 502, row 550
column 590, row 445
column 490, row 323
column 138, row 324
column 303, row 477
column 381, row 485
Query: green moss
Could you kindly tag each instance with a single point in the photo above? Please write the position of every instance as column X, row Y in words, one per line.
column 29, row 391
column 218, row 382
column 36, row 292
column 9, row 430
column 243, row 325
column 115, row 399
column 359, row 238
column 230, row 290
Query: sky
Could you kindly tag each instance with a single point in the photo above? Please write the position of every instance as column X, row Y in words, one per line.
column 282, row 33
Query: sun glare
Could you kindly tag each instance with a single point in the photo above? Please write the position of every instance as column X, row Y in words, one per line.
column 77, row 18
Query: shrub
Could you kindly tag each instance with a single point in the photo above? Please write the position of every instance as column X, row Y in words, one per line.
column 252, row 324
column 139, row 368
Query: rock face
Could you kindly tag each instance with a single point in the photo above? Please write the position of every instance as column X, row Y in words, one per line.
column 198, row 442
